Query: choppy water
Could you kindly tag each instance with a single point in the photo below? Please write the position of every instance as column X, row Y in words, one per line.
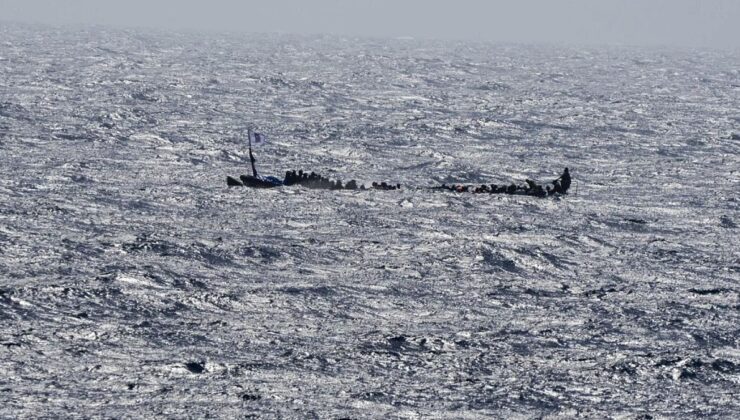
column 135, row 284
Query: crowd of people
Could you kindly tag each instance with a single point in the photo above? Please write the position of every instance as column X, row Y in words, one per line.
column 558, row 186
column 315, row 181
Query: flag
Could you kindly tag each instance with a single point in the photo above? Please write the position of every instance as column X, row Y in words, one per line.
column 256, row 139
column 259, row 138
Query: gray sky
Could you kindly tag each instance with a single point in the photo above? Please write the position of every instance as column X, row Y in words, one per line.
column 703, row 23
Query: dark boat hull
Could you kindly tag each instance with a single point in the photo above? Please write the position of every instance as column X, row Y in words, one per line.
column 233, row 182
column 252, row 182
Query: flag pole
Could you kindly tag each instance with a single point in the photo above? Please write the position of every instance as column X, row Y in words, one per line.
column 251, row 156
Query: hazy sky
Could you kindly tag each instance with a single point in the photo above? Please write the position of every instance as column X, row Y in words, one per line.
column 711, row 23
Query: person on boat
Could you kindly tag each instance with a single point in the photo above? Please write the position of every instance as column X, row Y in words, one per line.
column 291, row 178
column 564, row 181
column 534, row 189
column 556, row 187
column 539, row 191
column 481, row 190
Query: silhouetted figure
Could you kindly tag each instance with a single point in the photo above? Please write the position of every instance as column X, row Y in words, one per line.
column 556, row 187
column 351, row 185
column 564, row 181
column 535, row 189
column 512, row 189
column 384, row 186
column 482, row 189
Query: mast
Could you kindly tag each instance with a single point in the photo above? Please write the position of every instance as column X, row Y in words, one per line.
column 251, row 156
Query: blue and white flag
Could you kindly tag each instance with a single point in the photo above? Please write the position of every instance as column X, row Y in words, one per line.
column 256, row 139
